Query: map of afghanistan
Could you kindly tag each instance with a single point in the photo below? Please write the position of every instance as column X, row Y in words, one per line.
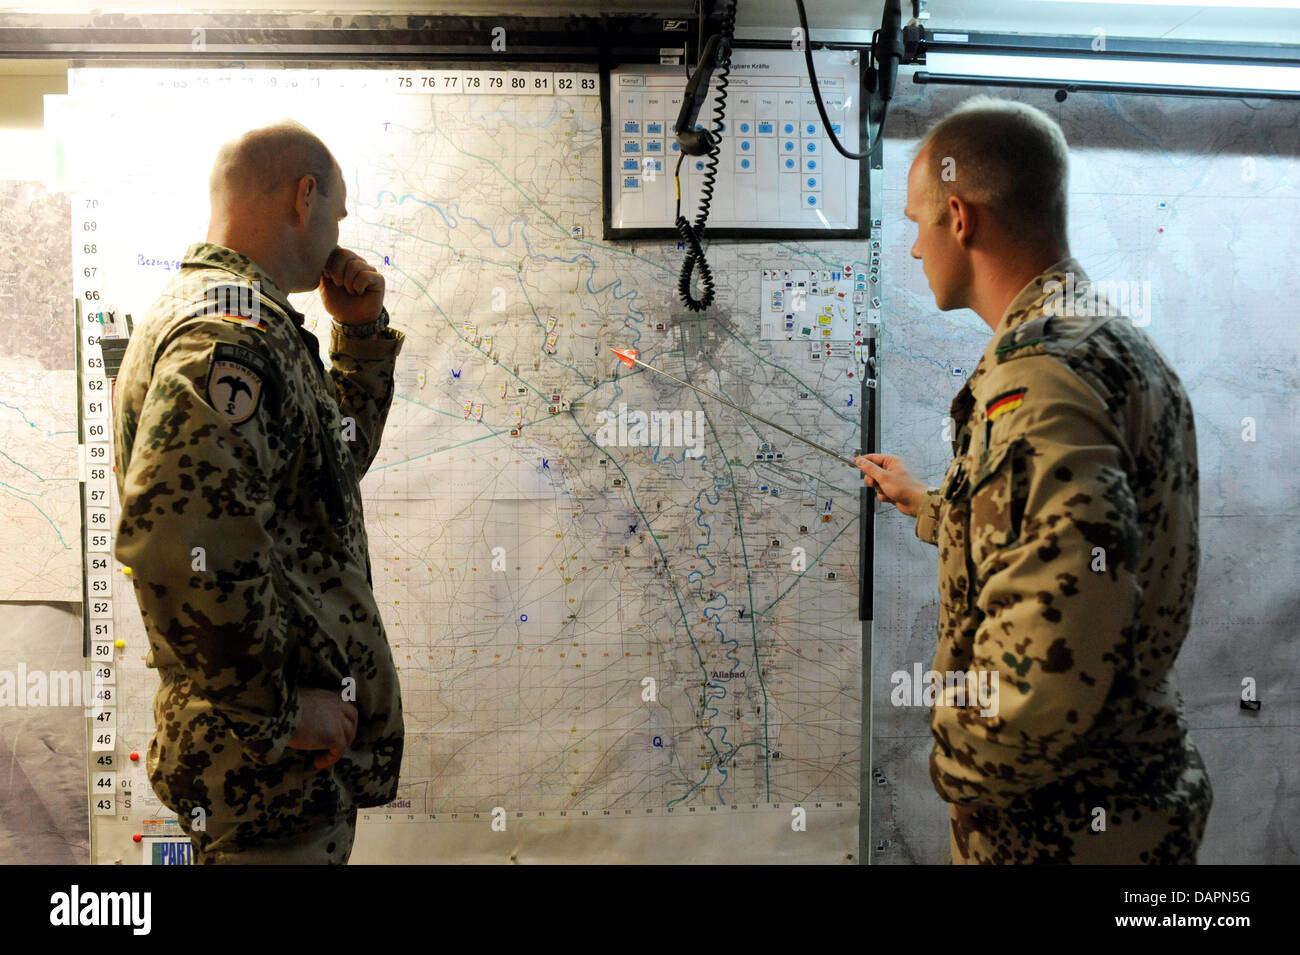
column 584, row 616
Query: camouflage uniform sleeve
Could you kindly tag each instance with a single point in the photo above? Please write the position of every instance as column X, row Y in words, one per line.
column 1053, row 544
column 927, row 518
column 362, row 372
column 199, row 478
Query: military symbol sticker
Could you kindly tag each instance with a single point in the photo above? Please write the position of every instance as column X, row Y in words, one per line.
column 235, row 382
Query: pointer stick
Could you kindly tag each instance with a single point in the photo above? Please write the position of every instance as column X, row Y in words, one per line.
column 628, row 357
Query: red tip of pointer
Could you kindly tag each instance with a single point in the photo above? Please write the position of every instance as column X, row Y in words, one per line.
column 626, row 355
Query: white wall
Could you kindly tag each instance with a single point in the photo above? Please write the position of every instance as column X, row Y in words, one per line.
column 23, row 85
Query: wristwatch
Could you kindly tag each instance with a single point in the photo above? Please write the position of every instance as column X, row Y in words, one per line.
column 373, row 329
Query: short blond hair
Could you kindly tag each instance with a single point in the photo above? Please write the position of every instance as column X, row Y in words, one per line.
column 1008, row 157
column 266, row 159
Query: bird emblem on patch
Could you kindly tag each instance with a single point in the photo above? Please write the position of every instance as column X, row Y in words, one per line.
column 1003, row 403
column 235, row 382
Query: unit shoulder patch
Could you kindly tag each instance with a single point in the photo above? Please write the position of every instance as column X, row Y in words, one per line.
column 237, row 377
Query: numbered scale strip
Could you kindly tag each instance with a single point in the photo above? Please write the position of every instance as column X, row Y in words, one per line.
column 95, row 318
column 510, row 82
column 441, row 82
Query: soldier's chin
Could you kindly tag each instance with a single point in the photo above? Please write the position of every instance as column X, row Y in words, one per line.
column 320, row 276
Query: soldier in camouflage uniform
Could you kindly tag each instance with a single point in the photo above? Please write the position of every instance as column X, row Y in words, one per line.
column 1067, row 532
column 238, row 459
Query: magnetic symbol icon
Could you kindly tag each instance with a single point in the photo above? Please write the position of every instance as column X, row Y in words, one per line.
column 631, row 528
column 850, row 404
column 658, row 741
column 386, row 262
column 236, row 386
column 523, row 618
column 455, row 372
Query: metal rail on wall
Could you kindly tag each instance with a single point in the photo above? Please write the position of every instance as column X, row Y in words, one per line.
column 211, row 39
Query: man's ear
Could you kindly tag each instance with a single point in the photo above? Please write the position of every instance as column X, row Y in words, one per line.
column 963, row 220
column 307, row 194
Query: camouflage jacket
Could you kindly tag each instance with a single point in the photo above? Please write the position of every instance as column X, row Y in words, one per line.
column 238, row 459
column 1067, row 532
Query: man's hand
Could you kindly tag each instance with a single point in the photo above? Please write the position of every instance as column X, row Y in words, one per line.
column 328, row 723
column 894, row 484
column 353, row 292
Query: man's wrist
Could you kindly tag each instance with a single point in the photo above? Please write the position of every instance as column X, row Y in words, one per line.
column 927, row 516
column 372, row 329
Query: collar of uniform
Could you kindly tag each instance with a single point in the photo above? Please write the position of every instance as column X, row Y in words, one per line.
column 1028, row 303
column 209, row 255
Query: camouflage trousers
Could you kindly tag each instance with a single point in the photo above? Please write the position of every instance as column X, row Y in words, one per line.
column 329, row 843
column 1133, row 836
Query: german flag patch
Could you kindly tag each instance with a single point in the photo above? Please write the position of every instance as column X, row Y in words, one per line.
column 248, row 321
column 1003, row 403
